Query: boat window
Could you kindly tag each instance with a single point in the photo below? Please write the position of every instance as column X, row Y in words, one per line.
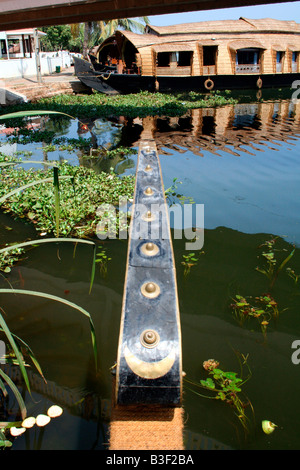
column 184, row 58
column 279, row 57
column 163, row 59
column 209, row 55
column 294, row 57
column 247, row 56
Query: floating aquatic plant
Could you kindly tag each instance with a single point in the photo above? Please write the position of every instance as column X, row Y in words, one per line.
column 82, row 192
column 262, row 308
column 291, row 273
column 273, row 265
column 226, row 387
column 102, row 259
column 132, row 105
column 188, row 262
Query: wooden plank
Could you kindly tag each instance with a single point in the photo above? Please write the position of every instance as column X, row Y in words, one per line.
column 149, row 353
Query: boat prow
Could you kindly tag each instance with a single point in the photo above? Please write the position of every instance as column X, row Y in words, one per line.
column 96, row 80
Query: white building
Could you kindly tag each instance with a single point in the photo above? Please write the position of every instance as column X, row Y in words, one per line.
column 18, row 59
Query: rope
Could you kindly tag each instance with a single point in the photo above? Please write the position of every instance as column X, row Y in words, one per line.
column 106, row 78
column 146, row 427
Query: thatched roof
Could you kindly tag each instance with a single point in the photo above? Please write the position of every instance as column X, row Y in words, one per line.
column 245, row 43
column 187, row 36
column 227, row 26
column 144, row 40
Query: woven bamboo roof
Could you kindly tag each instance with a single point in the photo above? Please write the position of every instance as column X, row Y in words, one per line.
column 246, row 43
column 144, row 40
column 187, row 36
column 227, row 26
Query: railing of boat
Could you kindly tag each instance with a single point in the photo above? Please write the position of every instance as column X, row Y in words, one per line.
column 247, row 68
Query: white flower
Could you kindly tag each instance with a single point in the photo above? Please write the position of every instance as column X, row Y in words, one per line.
column 54, row 411
column 16, row 431
column 42, row 420
column 28, row 422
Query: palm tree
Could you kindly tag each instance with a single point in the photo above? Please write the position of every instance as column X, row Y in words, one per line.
column 127, row 24
column 97, row 32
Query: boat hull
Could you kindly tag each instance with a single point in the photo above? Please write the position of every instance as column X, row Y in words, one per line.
column 109, row 82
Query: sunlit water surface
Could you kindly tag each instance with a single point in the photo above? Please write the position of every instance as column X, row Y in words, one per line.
column 242, row 162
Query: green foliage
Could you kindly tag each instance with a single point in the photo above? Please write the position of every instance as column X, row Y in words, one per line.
column 8, row 259
column 273, row 265
column 81, row 192
column 58, row 37
column 190, row 260
column 102, row 259
column 132, row 105
column 262, row 308
column 226, row 387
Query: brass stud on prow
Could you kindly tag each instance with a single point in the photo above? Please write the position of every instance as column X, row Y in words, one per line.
column 148, row 191
column 148, row 216
column 148, row 168
column 150, row 249
column 149, row 338
column 151, row 290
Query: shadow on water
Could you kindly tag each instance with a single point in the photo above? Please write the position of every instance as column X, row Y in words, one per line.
column 241, row 162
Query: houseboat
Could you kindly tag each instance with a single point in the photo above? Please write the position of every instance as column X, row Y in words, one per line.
column 201, row 56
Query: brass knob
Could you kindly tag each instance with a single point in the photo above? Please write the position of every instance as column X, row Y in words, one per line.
column 150, row 287
column 149, row 338
column 150, row 249
column 148, row 192
column 148, row 168
column 150, row 290
column 148, row 216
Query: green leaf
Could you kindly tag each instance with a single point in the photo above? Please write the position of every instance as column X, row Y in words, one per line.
column 5, row 443
column 63, row 301
column 16, row 393
column 16, row 351
column 208, row 383
column 21, row 114
column 33, row 183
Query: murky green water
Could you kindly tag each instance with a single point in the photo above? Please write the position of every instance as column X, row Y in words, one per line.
column 243, row 164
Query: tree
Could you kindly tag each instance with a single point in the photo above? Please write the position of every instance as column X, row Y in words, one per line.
column 58, row 38
column 97, row 32
column 135, row 25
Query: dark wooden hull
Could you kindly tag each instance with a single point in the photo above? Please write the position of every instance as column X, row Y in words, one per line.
column 109, row 82
column 149, row 354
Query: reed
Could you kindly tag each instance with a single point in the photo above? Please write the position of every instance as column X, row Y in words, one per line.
column 62, row 301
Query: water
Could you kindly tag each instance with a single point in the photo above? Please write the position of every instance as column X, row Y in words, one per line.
column 242, row 163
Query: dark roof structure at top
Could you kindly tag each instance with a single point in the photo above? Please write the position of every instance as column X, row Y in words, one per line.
column 17, row 14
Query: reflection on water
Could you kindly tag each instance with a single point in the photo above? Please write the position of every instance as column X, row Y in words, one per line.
column 226, row 129
column 248, row 174
column 248, row 179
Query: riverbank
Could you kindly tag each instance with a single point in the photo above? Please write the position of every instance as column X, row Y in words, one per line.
column 29, row 89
